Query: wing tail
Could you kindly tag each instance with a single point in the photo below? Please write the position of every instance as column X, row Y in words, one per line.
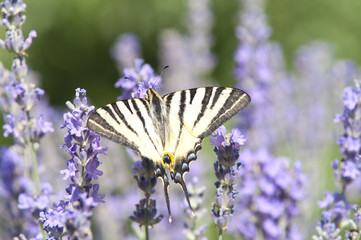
column 166, row 194
column 181, row 168
column 161, row 173
column 179, row 179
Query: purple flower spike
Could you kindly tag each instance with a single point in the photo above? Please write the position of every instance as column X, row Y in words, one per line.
column 19, row 102
column 144, row 175
column 351, row 97
column 126, row 49
column 226, row 168
column 138, row 80
column 347, row 170
column 227, row 146
column 82, row 196
column 145, row 216
column 270, row 190
column 146, row 210
column 12, row 20
column 192, row 228
column 337, row 209
column 43, row 127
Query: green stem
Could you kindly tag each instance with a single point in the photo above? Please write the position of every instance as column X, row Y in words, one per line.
column 35, row 177
column 343, row 190
column 35, row 174
column 31, row 144
column 41, row 227
column 82, row 174
column 146, row 219
column 81, row 183
column 220, row 234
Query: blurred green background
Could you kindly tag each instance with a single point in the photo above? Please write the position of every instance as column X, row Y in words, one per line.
column 74, row 37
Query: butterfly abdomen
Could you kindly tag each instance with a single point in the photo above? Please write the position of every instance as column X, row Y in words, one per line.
column 159, row 115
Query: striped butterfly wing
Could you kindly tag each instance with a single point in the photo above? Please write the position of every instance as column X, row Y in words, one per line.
column 194, row 114
column 129, row 123
column 172, row 126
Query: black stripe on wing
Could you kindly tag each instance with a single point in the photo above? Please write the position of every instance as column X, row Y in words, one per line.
column 126, row 103
column 99, row 125
column 182, row 108
column 141, row 118
column 217, row 94
column 192, row 92
column 111, row 113
column 121, row 116
column 169, row 100
column 205, row 101
column 235, row 102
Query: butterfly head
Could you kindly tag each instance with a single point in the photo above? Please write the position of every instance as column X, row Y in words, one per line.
column 168, row 158
column 151, row 94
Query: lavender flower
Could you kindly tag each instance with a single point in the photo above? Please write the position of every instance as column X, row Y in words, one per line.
column 199, row 22
column 126, row 49
column 270, row 193
column 13, row 19
column 12, row 181
column 337, row 215
column 189, row 56
column 144, row 175
column 192, row 227
column 347, row 170
column 318, row 72
column 226, row 168
column 174, row 53
column 138, row 80
column 146, row 211
column 270, row 187
column 252, row 56
column 83, row 146
column 71, row 217
column 259, row 69
column 19, row 100
column 40, row 202
column 13, row 184
column 135, row 83
column 19, row 97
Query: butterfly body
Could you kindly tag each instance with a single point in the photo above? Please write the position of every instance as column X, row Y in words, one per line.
column 168, row 130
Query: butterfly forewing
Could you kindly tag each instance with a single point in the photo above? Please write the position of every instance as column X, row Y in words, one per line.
column 128, row 123
column 203, row 110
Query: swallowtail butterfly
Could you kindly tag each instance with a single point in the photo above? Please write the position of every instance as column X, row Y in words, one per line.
column 168, row 130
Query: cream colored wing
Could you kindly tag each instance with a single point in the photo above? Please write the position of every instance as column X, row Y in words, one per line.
column 193, row 115
column 128, row 122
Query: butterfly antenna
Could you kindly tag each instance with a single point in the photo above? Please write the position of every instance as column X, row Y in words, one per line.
column 161, row 74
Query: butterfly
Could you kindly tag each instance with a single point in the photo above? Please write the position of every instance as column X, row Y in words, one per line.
column 168, row 130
